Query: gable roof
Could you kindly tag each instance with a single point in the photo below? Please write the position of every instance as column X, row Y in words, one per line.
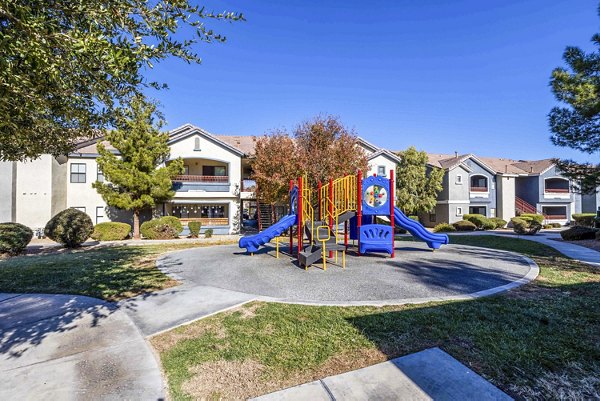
column 187, row 130
column 498, row 165
column 386, row 153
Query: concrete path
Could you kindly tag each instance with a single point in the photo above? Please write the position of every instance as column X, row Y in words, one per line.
column 431, row 374
column 577, row 252
column 67, row 347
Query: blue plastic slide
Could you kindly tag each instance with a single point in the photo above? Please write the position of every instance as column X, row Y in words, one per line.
column 434, row 241
column 251, row 243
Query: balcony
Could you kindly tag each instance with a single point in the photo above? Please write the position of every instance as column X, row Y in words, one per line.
column 556, row 187
column 201, row 183
column 479, row 189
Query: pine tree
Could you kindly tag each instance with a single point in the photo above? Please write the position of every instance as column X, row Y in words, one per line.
column 416, row 188
column 577, row 126
column 134, row 180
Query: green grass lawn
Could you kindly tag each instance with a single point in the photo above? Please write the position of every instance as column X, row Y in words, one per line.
column 110, row 273
column 540, row 341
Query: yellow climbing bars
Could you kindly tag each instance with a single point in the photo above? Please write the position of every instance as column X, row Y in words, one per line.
column 338, row 198
column 308, row 212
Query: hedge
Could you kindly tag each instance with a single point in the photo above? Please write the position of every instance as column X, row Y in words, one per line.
column 525, row 227
column 14, row 238
column 111, row 231
column 464, row 225
column 444, row 228
column 194, row 227
column 577, row 233
column 498, row 222
column 71, row 227
column 166, row 227
column 584, row 219
column 478, row 219
column 538, row 218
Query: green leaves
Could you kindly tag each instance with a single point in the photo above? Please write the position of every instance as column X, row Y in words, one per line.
column 577, row 125
column 68, row 66
column 416, row 187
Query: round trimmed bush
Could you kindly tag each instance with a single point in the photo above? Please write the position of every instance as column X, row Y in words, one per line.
column 577, row 233
column 111, row 231
column 14, row 238
column 488, row 225
column 538, row 218
column 194, row 227
column 71, row 227
column 208, row 233
column 584, row 219
column 166, row 227
column 525, row 227
column 498, row 222
column 464, row 225
column 478, row 219
column 444, row 228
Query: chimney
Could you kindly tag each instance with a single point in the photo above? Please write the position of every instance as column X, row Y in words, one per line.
column 506, row 168
column 531, row 169
column 456, row 154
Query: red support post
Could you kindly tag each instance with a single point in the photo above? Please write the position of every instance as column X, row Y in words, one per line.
column 300, row 222
column 331, row 210
column 391, row 200
column 292, row 227
column 359, row 207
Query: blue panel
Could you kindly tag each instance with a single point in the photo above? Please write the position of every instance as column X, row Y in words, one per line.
column 376, row 238
column 375, row 196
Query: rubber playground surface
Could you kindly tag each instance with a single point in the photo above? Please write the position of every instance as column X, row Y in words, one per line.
column 415, row 274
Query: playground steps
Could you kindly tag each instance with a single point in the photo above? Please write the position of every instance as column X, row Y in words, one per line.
column 314, row 252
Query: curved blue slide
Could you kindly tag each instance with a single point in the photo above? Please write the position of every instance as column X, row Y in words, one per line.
column 434, row 241
column 251, row 243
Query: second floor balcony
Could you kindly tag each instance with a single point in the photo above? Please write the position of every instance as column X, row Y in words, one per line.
column 203, row 175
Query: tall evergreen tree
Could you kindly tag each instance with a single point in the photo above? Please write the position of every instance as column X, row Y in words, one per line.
column 416, row 187
column 134, row 180
column 577, row 125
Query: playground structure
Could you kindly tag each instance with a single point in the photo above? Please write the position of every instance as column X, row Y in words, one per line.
column 347, row 208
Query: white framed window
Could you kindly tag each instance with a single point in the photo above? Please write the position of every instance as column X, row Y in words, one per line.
column 197, row 144
column 99, row 175
column 99, row 214
column 186, row 169
column 78, row 172
column 459, row 211
column 381, row 171
column 459, row 179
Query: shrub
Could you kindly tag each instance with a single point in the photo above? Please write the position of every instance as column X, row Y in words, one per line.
column 464, row 225
column 525, row 227
column 584, row 219
column 478, row 219
column 498, row 222
column 415, row 218
column 538, row 218
column 577, row 233
column 166, row 227
column 194, row 227
column 488, row 225
column 71, row 227
column 14, row 238
column 111, row 231
column 547, row 226
column 444, row 228
column 208, row 233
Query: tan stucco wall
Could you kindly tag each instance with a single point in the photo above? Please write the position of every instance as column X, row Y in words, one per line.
column 506, row 197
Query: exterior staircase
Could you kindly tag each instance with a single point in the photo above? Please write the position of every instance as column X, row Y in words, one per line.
column 265, row 216
column 522, row 206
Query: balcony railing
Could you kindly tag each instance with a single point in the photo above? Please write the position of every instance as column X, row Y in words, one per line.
column 202, row 178
column 557, row 190
column 555, row 216
column 479, row 189
column 207, row 221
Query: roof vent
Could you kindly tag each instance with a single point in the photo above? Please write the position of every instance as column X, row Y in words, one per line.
column 456, row 154
column 531, row 169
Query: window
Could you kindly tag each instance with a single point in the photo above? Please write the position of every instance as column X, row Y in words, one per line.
column 80, row 208
column 77, row 172
column 197, row 144
column 214, row 171
column 492, row 212
column 459, row 211
column 477, row 210
column 556, row 185
column 99, row 214
column 186, row 169
column 555, row 212
column 432, row 217
column 479, row 183
column 459, row 179
column 99, row 175
column 381, row 171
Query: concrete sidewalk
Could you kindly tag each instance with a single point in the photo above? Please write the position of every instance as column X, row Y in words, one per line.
column 73, row 347
column 431, row 374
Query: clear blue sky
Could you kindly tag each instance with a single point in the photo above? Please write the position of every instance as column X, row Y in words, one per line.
column 445, row 76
